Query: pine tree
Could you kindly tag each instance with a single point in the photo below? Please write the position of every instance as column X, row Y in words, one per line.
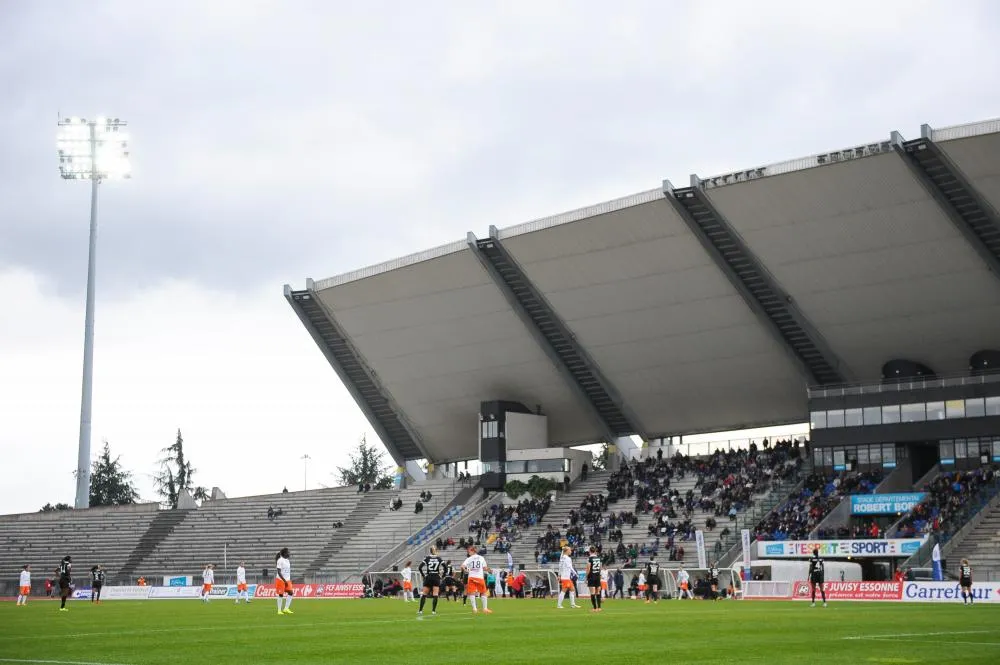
column 110, row 484
column 176, row 474
column 367, row 466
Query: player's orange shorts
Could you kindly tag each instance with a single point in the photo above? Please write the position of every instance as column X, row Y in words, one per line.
column 206, row 588
column 604, row 585
column 281, row 586
column 642, row 587
column 242, row 586
column 567, row 585
column 25, row 590
column 684, row 586
column 475, row 585
column 407, row 586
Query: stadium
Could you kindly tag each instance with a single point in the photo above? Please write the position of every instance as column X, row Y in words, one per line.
column 856, row 290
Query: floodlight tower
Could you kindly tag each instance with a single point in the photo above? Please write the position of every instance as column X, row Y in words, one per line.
column 92, row 150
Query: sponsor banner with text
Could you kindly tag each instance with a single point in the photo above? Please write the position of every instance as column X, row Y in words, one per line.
column 885, row 504
column 342, row 590
column 949, row 592
column 850, row 590
column 114, row 593
column 874, row 548
column 174, row 592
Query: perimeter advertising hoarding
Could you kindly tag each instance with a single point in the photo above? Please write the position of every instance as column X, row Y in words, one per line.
column 862, row 549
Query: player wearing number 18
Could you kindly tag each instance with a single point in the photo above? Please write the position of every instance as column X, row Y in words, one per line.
column 594, row 566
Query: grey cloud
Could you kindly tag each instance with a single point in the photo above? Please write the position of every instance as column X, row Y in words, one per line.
column 272, row 142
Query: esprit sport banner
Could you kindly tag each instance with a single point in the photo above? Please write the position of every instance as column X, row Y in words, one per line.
column 341, row 590
column 869, row 549
column 885, row 504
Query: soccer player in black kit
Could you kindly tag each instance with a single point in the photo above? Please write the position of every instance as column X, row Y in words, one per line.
column 65, row 571
column 431, row 568
column 713, row 580
column 96, row 584
column 965, row 582
column 594, row 578
column 448, row 581
column 653, row 581
column 816, row 572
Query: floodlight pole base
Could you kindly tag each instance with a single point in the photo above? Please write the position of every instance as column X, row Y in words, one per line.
column 83, row 458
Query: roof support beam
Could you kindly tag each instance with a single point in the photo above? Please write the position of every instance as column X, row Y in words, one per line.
column 971, row 214
column 388, row 420
column 582, row 375
column 759, row 289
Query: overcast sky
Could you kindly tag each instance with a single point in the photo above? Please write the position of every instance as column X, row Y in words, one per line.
column 274, row 141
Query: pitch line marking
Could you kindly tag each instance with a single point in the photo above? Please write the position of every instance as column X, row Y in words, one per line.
column 57, row 662
column 897, row 635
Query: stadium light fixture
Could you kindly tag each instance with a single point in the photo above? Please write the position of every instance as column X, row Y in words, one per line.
column 305, row 471
column 92, row 150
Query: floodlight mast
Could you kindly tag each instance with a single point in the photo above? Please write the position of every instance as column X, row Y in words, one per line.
column 69, row 161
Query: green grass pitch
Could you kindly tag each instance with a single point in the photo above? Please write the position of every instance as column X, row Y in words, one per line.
column 518, row 631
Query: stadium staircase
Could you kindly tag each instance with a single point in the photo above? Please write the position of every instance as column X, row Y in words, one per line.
column 386, row 528
column 161, row 527
column 105, row 536
column 979, row 542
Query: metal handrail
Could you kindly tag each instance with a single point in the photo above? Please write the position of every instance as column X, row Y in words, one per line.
column 898, row 385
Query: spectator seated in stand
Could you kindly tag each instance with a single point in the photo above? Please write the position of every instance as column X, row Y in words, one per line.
column 946, row 495
column 797, row 517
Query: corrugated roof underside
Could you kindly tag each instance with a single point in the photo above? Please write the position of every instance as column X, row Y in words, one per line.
column 442, row 338
column 661, row 321
column 872, row 261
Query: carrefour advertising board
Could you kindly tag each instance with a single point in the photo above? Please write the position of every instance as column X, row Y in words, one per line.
column 874, row 548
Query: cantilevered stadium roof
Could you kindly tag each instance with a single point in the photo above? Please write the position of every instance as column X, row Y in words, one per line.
column 681, row 309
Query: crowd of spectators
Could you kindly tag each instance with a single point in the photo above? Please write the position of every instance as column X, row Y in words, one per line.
column 946, row 495
column 805, row 509
column 501, row 525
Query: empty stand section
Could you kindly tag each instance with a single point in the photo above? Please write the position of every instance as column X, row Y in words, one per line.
column 105, row 536
column 227, row 531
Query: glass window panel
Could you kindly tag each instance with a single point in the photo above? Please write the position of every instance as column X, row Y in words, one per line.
column 827, row 457
column 993, row 406
column 873, row 415
column 996, row 450
column 961, row 449
column 835, row 418
column 876, row 453
column 935, row 410
column 975, row 407
column 838, row 458
column 912, row 413
column 947, row 452
column 890, row 414
column 852, row 418
column 863, row 454
column 888, row 452
column 955, row 408
column 817, row 419
column 817, row 457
